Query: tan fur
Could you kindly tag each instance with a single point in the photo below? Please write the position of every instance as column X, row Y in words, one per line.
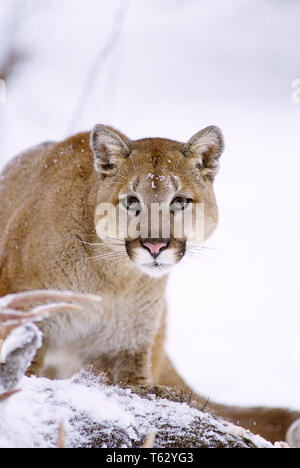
column 48, row 215
column 49, row 197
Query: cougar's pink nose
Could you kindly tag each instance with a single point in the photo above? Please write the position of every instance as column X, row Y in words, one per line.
column 155, row 248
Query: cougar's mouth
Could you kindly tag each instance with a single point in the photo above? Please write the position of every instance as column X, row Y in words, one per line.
column 155, row 257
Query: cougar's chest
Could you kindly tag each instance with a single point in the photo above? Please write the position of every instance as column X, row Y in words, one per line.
column 74, row 339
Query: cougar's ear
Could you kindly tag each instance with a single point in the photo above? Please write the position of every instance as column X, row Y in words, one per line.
column 205, row 149
column 109, row 150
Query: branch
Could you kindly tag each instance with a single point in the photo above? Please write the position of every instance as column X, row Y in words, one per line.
column 11, row 317
column 19, row 337
column 101, row 57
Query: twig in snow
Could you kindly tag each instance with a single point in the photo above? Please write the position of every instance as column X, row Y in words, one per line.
column 7, row 395
column 149, row 442
column 61, row 437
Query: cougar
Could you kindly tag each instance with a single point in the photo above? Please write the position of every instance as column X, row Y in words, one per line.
column 60, row 212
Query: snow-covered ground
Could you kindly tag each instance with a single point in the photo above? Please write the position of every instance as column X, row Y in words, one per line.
column 176, row 67
column 86, row 412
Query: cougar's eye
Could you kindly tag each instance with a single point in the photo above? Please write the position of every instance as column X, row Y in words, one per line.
column 180, row 203
column 132, row 204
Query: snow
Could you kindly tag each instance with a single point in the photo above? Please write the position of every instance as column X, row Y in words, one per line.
column 18, row 338
column 180, row 66
column 33, row 410
column 293, row 434
column 19, row 350
column 43, row 405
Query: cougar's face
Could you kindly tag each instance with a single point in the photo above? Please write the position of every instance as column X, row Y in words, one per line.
column 163, row 207
column 155, row 201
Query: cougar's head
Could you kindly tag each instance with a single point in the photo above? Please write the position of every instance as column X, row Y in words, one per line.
column 156, row 201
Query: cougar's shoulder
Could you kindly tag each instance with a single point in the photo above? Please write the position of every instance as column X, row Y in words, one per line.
column 47, row 196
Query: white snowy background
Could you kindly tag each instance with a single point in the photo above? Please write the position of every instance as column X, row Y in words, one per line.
column 169, row 68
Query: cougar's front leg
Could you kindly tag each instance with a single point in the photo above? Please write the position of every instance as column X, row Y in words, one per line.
column 37, row 365
column 131, row 367
column 128, row 368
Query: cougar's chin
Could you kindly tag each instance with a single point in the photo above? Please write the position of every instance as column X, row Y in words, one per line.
column 156, row 269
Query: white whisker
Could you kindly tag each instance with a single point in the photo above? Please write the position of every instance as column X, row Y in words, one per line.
column 116, row 255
